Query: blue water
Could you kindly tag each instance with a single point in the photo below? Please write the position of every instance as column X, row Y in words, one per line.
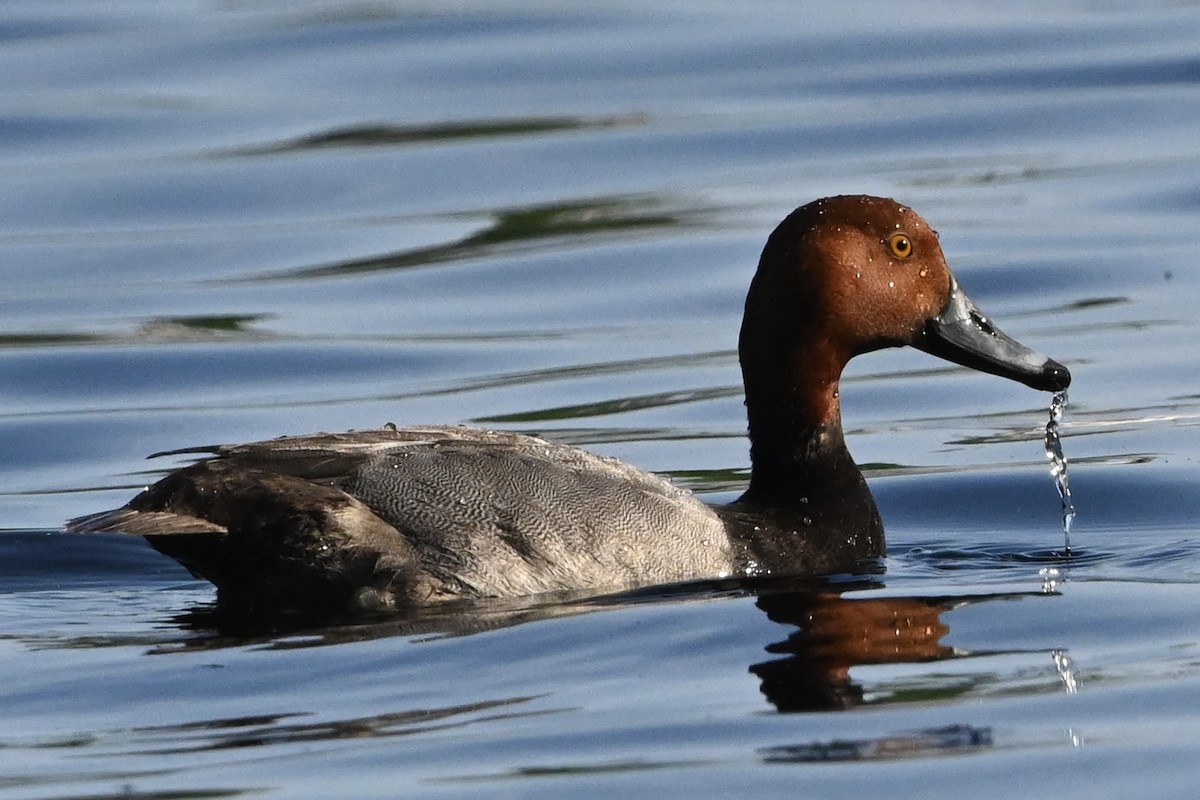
column 229, row 221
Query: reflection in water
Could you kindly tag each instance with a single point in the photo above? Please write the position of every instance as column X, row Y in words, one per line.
column 200, row 328
column 509, row 231
column 614, row 406
column 1051, row 578
column 1067, row 671
column 835, row 633
column 215, row 626
column 953, row 739
column 384, row 135
column 836, row 626
column 258, row 731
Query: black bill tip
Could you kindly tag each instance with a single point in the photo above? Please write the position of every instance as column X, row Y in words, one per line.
column 1055, row 377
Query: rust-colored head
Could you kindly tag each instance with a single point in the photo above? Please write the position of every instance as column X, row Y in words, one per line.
column 846, row 275
column 860, row 272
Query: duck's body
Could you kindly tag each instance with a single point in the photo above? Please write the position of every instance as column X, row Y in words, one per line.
column 406, row 517
column 419, row 515
column 412, row 516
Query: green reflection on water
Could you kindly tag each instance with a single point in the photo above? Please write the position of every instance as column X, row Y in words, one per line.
column 615, row 406
column 385, row 135
column 510, row 230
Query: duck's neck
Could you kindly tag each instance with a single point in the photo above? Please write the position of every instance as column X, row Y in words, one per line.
column 808, row 508
column 795, row 420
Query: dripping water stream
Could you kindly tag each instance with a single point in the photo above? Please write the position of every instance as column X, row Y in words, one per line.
column 1058, row 466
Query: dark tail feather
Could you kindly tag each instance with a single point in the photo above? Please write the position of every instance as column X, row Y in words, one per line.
column 142, row 523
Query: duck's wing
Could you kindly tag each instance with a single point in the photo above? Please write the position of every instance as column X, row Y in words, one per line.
column 498, row 514
column 329, row 456
column 318, row 457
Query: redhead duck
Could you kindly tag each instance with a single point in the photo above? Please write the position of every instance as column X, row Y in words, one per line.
column 404, row 517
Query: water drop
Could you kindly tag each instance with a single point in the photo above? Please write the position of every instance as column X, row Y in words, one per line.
column 1058, row 466
column 1051, row 577
column 1067, row 672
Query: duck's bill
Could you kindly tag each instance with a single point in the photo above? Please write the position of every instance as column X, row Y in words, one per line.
column 960, row 333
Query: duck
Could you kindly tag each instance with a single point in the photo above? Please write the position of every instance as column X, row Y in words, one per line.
column 399, row 518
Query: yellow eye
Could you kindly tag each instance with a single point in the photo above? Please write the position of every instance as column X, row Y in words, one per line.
column 901, row 245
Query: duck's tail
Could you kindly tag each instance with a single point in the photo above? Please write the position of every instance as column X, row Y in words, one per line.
column 142, row 523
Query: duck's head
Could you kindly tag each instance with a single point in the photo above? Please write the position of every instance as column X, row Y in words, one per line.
column 846, row 275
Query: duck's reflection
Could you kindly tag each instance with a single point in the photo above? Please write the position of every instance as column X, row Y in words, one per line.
column 835, row 633
column 835, row 627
